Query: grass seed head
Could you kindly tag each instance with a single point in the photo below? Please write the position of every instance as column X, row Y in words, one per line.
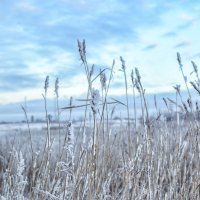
column 177, row 88
column 82, row 50
column 123, row 63
column 194, row 67
column 103, row 79
column 56, row 87
column 179, row 60
column 46, row 85
column 137, row 85
column 132, row 77
column 137, row 74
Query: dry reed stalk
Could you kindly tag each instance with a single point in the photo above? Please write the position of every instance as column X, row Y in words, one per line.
column 127, row 105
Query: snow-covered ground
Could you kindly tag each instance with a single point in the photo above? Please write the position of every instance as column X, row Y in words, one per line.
column 18, row 127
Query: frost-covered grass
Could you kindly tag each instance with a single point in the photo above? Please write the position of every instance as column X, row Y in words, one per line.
column 151, row 158
column 171, row 169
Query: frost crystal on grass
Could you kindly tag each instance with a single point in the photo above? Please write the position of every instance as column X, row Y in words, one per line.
column 70, row 143
column 94, row 103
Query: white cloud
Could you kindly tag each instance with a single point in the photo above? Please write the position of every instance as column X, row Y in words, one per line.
column 186, row 17
column 18, row 96
column 27, row 6
column 53, row 64
column 32, row 43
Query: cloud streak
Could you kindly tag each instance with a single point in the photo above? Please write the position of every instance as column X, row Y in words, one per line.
column 169, row 34
column 25, row 6
column 182, row 44
column 150, row 47
column 11, row 82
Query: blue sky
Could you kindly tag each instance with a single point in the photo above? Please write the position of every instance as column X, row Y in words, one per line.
column 39, row 38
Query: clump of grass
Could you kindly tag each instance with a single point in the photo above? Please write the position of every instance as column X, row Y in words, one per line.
column 155, row 159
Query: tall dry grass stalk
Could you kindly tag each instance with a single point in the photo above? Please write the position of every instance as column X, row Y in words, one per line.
column 127, row 105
